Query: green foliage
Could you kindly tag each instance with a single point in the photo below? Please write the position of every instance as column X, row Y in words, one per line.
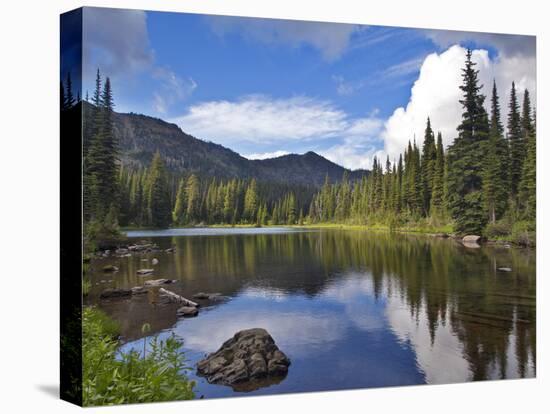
column 437, row 207
column 157, row 194
column 178, row 214
column 466, row 155
column 528, row 183
column 516, row 140
column 427, row 167
column 97, row 233
column 251, row 202
column 86, row 286
column 524, row 233
column 113, row 377
column 193, row 199
column 495, row 166
column 499, row 229
column 101, row 158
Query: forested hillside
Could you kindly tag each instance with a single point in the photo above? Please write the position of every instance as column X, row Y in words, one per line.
column 139, row 137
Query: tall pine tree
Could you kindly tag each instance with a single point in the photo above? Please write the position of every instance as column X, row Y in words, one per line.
column 427, row 166
column 466, row 154
column 516, row 142
column 495, row 168
column 158, row 197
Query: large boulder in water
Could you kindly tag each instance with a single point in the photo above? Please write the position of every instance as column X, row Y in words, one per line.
column 471, row 239
column 251, row 355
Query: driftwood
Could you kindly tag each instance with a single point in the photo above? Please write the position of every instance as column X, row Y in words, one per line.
column 158, row 282
column 174, row 297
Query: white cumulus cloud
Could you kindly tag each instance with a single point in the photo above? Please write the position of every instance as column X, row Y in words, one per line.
column 436, row 93
column 262, row 119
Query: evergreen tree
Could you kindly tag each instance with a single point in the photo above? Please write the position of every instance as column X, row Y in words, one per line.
column 62, row 98
column 466, row 155
column 251, row 202
column 229, row 201
column 495, row 168
column 427, row 166
column 528, row 184
column 69, row 97
column 158, row 198
column 516, row 142
column 437, row 199
column 399, row 185
column 101, row 163
column 193, row 199
column 291, row 209
column 527, row 130
column 180, row 207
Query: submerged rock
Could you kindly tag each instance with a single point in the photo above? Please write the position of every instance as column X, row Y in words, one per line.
column 138, row 290
column 187, row 311
column 145, row 271
column 504, row 269
column 115, row 293
column 206, row 296
column 155, row 261
column 249, row 356
column 110, row 268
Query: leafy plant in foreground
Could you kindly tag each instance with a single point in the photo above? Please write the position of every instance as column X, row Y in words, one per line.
column 114, row 377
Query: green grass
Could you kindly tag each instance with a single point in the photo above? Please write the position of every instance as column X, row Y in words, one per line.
column 423, row 229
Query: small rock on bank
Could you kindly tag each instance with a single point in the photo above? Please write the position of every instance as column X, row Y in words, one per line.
column 250, row 355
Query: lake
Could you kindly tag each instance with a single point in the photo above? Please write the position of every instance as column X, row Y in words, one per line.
column 350, row 308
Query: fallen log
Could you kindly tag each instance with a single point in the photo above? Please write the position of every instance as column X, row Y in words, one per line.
column 174, row 297
column 158, row 282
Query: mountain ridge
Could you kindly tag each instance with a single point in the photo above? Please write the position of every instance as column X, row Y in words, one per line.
column 140, row 136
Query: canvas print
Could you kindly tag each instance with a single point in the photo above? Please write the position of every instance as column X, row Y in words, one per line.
column 276, row 206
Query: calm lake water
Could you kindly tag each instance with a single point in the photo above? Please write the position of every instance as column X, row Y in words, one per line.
column 351, row 309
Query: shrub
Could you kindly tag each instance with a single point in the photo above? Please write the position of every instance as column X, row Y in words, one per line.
column 523, row 233
column 499, row 229
column 113, row 377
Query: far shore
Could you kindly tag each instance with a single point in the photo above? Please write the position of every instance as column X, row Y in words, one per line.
column 433, row 231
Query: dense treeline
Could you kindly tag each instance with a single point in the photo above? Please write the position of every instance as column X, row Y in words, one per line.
column 156, row 198
column 486, row 180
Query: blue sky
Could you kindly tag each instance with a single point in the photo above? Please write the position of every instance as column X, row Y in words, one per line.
column 264, row 87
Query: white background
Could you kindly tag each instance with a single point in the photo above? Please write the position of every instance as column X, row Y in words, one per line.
column 29, row 194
